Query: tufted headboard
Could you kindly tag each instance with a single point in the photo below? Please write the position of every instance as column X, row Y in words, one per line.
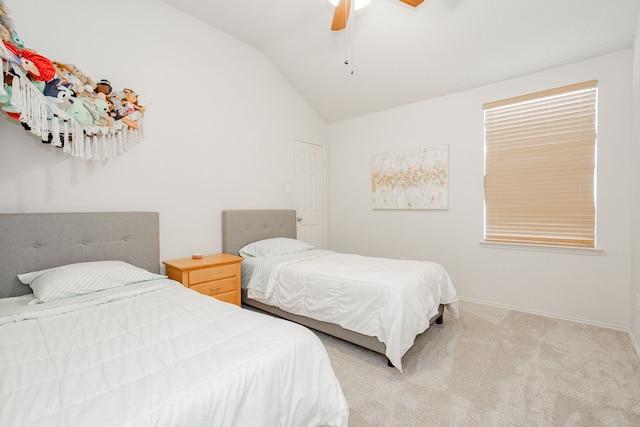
column 240, row 227
column 35, row 241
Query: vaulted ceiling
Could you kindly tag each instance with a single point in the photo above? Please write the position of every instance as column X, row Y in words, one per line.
column 398, row 54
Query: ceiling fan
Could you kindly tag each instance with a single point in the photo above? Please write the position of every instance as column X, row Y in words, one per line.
column 341, row 13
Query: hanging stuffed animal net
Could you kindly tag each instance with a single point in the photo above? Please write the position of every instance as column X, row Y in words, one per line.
column 62, row 105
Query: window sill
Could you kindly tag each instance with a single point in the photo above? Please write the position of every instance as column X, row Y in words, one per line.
column 542, row 248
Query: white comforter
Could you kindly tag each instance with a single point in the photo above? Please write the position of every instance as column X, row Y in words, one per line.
column 157, row 354
column 390, row 299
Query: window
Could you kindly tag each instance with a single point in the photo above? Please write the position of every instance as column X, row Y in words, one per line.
column 540, row 167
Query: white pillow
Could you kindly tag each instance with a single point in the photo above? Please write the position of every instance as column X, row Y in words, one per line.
column 83, row 278
column 273, row 247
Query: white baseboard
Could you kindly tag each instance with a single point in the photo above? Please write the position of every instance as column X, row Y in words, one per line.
column 542, row 313
column 634, row 343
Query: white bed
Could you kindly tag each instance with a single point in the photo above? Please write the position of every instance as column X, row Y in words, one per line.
column 146, row 353
column 389, row 300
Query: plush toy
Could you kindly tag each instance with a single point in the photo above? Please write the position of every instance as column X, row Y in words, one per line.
column 7, row 107
column 111, row 109
column 61, row 72
column 9, row 35
column 5, row 95
column 104, row 87
column 9, row 53
column 58, row 92
column 37, row 66
column 5, row 33
column 123, row 108
column 6, row 26
column 129, row 103
column 80, row 82
column 86, row 82
column 127, row 108
column 82, row 112
column 17, row 40
column 102, row 108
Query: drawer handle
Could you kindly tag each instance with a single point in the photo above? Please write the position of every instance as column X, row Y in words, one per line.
column 216, row 289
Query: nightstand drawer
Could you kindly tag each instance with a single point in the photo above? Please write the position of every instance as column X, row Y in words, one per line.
column 212, row 273
column 230, row 297
column 216, row 287
column 215, row 275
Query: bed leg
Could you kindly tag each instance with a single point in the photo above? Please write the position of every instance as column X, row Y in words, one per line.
column 389, row 364
column 439, row 320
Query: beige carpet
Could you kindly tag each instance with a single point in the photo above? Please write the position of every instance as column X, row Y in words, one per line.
column 495, row 367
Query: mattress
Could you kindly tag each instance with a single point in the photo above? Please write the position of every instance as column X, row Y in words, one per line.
column 156, row 353
column 390, row 299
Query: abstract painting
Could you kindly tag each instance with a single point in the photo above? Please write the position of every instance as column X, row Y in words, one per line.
column 411, row 179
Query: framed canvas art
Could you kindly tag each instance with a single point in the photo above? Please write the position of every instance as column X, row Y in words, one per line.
column 411, row 179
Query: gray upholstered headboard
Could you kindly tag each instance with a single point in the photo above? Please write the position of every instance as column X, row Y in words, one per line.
column 35, row 241
column 240, row 227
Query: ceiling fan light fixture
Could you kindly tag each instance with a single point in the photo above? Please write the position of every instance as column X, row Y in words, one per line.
column 414, row 3
column 358, row 3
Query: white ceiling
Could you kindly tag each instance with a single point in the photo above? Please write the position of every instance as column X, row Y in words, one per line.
column 399, row 54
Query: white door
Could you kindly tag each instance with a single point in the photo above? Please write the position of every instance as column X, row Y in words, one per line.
column 309, row 192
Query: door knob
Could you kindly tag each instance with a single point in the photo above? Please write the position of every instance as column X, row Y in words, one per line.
column 299, row 219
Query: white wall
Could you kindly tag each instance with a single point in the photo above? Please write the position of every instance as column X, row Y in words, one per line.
column 218, row 136
column 219, row 126
column 590, row 288
column 635, row 225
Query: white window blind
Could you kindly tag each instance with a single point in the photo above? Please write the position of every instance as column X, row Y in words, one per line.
column 540, row 166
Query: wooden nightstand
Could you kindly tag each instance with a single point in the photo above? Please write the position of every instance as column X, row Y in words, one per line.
column 214, row 275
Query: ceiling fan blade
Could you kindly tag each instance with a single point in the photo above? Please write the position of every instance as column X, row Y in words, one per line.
column 341, row 15
column 413, row 3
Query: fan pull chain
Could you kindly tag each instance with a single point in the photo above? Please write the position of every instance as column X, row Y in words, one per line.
column 348, row 56
column 348, row 48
